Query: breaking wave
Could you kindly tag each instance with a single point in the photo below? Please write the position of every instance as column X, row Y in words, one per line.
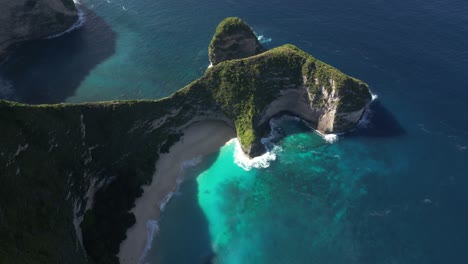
column 78, row 24
column 366, row 117
column 247, row 163
column 263, row 161
column 191, row 163
column 263, row 40
column 330, row 138
column 152, row 227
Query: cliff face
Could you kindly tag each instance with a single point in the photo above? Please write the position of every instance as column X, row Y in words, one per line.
column 23, row 20
column 285, row 79
column 233, row 39
column 70, row 173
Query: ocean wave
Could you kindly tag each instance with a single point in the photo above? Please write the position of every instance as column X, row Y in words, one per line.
column 247, row 163
column 165, row 200
column 263, row 40
column 191, row 163
column 330, row 138
column 152, row 225
column 78, row 24
column 276, row 131
column 152, row 228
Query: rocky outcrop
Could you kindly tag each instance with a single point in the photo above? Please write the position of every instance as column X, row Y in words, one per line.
column 234, row 39
column 75, row 170
column 24, row 20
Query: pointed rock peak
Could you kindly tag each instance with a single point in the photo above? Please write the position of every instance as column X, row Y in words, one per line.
column 233, row 39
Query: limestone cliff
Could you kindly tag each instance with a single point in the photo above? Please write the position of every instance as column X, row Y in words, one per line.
column 24, row 20
column 233, row 39
column 55, row 158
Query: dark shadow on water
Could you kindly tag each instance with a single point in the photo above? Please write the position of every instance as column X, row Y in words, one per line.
column 184, row 235
column 51, row 70
column 379, row 122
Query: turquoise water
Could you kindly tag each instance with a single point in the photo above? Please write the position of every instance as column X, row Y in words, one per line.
column 394, row 191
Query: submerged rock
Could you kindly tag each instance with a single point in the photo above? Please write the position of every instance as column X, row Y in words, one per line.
column 25, row 20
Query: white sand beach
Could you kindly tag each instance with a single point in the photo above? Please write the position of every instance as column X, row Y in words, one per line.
column 199, row 139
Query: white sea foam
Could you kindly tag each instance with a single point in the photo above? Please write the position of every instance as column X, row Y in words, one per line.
column 330, row 138
column 247, row 163
column 165, row 200
column 78, row 24
column 152, row 228
column 211, row 65
column 191, row 163
column 366, row 117
column 276, row 132
column 263, row 40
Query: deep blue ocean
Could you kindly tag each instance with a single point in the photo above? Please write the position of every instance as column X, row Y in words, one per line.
column 393, row 191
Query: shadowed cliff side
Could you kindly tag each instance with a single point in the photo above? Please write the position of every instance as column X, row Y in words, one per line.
column 70, row 173
column 25, row 20
column 51, row 70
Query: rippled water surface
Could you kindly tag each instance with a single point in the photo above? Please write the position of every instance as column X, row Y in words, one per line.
column 394, row 191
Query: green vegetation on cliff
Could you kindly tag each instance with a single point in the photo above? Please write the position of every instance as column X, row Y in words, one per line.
column 233, row 39
column 53, row 156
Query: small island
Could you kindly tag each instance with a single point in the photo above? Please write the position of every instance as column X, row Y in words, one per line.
column 75, row 177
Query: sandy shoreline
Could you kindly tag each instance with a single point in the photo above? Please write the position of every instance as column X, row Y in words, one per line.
column 199, row 139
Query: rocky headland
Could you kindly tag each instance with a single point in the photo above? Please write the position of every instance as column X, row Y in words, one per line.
column 73, row 175
column 26, row 20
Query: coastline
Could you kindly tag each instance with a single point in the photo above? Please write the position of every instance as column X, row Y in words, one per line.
column 200, row 139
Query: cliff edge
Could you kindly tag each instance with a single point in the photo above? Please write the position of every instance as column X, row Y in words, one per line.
column 24, row 20
column 70, row 173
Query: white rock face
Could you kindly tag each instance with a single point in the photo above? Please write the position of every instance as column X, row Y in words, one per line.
column 322, row 115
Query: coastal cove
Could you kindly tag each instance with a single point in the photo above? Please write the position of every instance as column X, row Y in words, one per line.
column 113, row 146
column 199, row 140
column 133, row 138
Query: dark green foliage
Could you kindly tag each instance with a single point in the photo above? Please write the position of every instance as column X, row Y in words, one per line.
column 220, row 49
column 123, row 155
column 116, row 146
column 105, row 226
column 354, row 93
column 243, row 88
column 228, row 26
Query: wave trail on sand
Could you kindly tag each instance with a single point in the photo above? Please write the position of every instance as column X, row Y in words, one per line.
column 152, row 228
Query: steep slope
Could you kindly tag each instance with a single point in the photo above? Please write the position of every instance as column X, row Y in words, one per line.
column 70, row 173
column 24, row 20
column 233, row 39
